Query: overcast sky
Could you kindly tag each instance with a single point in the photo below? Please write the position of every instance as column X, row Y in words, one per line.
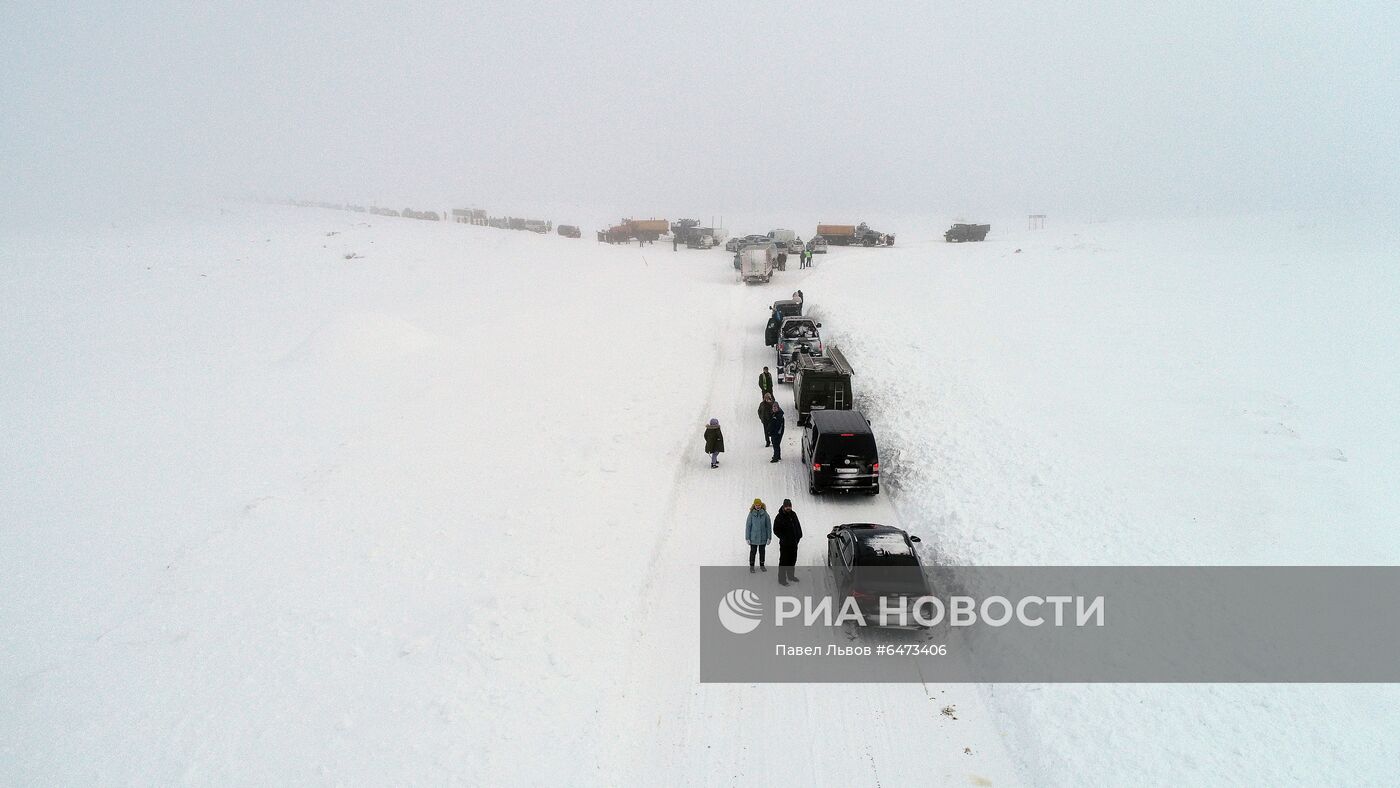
column 1103, row 108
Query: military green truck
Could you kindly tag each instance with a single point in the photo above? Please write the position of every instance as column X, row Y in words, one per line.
column 967, row 232
column 821, row 383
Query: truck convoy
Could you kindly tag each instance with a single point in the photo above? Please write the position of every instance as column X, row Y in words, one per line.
column 857, row 235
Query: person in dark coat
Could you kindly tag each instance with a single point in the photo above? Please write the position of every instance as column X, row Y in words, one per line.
column 765, row 381
column 765, row 412
column 714, row 442
column 776, row 426
column 789, row 532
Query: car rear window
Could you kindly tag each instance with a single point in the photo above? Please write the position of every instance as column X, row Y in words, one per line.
column 834, row 448
column 822, row 391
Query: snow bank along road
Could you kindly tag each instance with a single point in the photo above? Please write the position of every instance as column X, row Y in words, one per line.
column 434, row 513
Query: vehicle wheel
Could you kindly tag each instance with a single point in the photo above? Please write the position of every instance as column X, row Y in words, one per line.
column 812, row 489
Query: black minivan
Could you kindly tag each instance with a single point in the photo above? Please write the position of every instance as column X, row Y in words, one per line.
column 839, row 453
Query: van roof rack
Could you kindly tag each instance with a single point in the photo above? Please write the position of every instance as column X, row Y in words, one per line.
column 834, row 361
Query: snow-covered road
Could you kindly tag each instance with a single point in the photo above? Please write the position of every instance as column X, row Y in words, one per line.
column 683, row 732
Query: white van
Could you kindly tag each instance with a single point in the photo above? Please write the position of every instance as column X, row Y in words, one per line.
column 755, row 263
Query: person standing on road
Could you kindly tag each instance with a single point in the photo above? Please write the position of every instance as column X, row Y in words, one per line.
column 776, row 427
column 758, row 532
column 789, row 532
column 765, row 381
column 714, row 442
column 765, row 411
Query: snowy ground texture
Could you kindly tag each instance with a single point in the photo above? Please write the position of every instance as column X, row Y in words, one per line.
column 432, row 513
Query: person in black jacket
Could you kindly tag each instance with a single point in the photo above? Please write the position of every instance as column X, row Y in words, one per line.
column 765, row 412
column 776, row 426
column 765, row 382
column 714, row 442
column 789, row 532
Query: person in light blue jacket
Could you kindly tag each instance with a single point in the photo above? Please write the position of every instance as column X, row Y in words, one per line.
column 758, row 531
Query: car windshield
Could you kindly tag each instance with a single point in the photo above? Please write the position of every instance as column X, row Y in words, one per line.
column 885, row 549
column 799, row 328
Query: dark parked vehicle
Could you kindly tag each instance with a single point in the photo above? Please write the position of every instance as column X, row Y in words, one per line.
column 871, row 562
column 820, row 383
column 779, row 311
column 839, row 453
column 796, row 335
column 569, row 231
column 967, row 232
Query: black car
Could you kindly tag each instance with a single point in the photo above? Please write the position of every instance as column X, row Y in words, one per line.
column 569, row 231
column 839, row 453
column 869, row 562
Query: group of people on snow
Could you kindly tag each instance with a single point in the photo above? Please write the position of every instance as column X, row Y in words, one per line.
column 759, row 531
column 771, row 417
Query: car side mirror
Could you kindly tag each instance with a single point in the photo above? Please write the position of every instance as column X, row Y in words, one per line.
column 915, row 539
column 831, row 536
column 819, row 325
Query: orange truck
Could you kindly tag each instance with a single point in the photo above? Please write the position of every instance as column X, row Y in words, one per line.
column 833, row 231
column 854, row 235
column 638, row 229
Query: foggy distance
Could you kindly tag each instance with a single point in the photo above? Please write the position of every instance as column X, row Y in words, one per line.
column 1101, row 111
